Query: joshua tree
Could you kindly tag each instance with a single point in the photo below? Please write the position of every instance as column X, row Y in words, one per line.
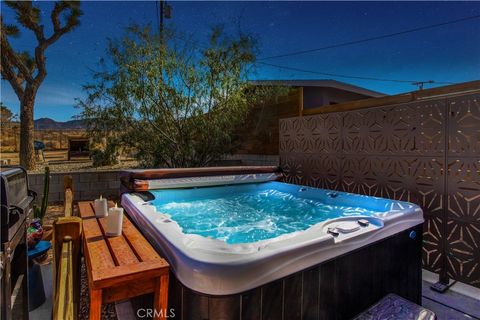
column 25, row 72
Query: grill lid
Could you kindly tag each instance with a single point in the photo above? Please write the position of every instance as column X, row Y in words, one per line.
column 14, row 185
column 16, row 201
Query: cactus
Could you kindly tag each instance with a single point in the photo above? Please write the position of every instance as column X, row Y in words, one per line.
column 39, row 213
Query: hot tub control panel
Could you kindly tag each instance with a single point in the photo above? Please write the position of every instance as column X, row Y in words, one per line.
column 348, row 227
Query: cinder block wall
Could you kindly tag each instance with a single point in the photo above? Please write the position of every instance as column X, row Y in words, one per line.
column 86, row 185
column 255, row 159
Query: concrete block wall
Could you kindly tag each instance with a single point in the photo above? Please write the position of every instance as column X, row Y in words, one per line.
column 255, row 159
column 86, row 185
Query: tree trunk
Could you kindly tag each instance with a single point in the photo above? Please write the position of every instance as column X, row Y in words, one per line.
column 27, row 153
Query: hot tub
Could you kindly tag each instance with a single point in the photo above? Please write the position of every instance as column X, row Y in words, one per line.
column 229, row 236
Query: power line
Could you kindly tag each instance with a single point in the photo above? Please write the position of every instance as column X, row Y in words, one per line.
column 384, row 36
column 416, row 82
column 412, row 82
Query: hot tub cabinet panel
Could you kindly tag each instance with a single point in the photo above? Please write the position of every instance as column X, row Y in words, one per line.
column 336, row 289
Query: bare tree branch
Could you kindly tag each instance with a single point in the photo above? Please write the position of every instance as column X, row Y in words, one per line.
column 9, row 75
column 12, row 60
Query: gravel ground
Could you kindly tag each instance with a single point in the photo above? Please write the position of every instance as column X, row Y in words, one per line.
column 108, row 310
column 53, row 212
column 69, row 166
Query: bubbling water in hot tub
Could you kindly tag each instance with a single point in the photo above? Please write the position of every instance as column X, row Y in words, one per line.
column 244, row 215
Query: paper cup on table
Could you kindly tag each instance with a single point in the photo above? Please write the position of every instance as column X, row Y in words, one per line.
column 100, row 206
column 114, row 221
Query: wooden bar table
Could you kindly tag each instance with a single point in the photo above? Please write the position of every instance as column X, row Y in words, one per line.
column 121, row 267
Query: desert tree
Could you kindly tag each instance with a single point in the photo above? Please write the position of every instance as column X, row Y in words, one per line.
column 24, row 71
column 177, row 104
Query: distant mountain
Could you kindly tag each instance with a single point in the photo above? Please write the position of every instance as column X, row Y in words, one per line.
column 47, row 123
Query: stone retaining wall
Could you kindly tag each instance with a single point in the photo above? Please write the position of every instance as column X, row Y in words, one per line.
column 54, row 139
column 86, row 185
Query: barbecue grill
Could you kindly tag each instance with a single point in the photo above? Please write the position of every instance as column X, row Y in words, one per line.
column 16, row 207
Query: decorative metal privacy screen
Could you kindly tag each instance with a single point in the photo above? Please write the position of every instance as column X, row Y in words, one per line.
column 424, row 152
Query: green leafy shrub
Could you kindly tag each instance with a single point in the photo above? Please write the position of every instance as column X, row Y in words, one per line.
column 176, row 105
column 106, row 156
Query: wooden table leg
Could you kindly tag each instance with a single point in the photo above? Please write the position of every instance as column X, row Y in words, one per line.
column 95, row 304
column 160, row 303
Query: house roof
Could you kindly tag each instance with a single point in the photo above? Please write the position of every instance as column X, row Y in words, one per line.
column 325, row 83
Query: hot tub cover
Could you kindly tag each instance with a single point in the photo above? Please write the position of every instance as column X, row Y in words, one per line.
column 148, row 179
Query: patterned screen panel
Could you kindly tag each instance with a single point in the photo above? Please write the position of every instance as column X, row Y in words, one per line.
column 424, row 152
column 463, row 189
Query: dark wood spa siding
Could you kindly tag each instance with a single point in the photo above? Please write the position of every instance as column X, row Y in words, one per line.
column 336, row 289
column 311, row 293
column 252, row 304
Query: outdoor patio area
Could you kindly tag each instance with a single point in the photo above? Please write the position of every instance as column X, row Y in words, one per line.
column 352, row 187
column 240, row 160
column 461, row 301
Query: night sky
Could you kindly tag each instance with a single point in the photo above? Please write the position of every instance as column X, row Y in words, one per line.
column 449, row 53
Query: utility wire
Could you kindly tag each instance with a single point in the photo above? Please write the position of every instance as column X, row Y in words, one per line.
column 349, row 76
column 334, row 75
column 416, row 82
column 384, row 36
